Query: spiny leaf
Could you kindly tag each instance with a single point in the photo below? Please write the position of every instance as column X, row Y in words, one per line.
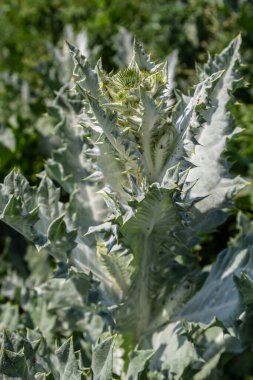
column 68, row 366
column 102, row 360
column 138, row 359
column 142, row 58
column 13, row 364
column 62, row 242
column 245, row 285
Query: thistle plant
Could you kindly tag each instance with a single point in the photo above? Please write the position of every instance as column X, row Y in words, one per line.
column 146, row 175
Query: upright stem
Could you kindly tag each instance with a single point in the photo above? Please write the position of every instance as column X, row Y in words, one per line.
column 142, row 287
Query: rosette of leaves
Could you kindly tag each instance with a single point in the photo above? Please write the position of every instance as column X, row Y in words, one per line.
column 158, row 161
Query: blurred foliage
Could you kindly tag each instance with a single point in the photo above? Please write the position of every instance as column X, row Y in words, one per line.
column 191, row 26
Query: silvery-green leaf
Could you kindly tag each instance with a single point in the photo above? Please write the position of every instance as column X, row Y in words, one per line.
column 214, row 309
column 90, row 79
column 85, row 259
column 17, row 355
column 13, row 365
column 174, row 352
column 147, row 234
column 44, row 376
column 102, row 359
column 9, row 316
column 124, row 47
column 210, row 167
column 141, row 57
column 7, row 139
column 245, row 285
column 137, row 362
column 219, row 296
column 209, row 370
column 18, row 207
column 68, row 367
column 55, row 171
column 61, row 241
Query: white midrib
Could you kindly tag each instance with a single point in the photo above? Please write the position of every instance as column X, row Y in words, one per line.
column 146, row 143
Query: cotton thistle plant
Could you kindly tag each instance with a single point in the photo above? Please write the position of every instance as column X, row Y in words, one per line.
column 158, row 161
column 172, row 182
